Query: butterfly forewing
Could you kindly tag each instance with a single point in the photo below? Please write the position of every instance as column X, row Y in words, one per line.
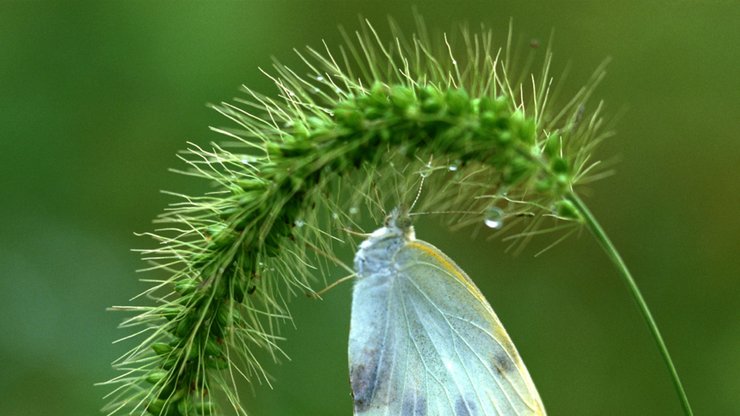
column 424, row 341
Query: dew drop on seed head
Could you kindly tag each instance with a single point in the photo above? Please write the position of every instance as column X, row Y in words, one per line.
column 353, row 210
column 319, row 78
column 299, row 223
column 427, row 170
column 579, row 113
column 493, row 218
column 455, row 165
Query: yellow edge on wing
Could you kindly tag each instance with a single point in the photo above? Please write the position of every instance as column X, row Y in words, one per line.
column 449, row 266
column 501, row 336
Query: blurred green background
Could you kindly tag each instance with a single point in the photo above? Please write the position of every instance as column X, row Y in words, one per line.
column 96, row 98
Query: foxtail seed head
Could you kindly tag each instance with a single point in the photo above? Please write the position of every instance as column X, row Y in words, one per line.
column 358, row 126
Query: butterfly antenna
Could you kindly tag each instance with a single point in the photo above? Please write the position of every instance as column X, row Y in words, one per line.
column 421, row 186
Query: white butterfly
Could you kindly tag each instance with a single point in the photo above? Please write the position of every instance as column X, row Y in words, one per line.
column 423, row 339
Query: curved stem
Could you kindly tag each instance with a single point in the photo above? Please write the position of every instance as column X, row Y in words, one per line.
column 613, row 254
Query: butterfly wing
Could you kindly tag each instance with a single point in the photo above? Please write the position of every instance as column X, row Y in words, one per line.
column 433, row 345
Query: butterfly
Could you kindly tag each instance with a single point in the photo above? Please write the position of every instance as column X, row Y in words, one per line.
column 423, row 339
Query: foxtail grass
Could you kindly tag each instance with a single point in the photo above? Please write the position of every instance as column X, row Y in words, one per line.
column 347, row 135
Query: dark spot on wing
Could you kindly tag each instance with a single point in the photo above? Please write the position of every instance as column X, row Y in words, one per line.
column 465, row 408
column 414, row 404
column 362, row 380
column 502, row 363
column 367, row 379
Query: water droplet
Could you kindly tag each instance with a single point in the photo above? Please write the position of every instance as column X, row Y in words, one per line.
column 427, row 170
column 319, row 78
column 579, row 114
column 455, row 165
column 353, row 210
column 299, row 223
column 494, row 218
column 334, row 215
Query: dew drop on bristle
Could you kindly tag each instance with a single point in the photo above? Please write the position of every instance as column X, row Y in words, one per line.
column 454, row 166
column 494, row 218
column 428, row 169
column 299, row 223
column 353, row 211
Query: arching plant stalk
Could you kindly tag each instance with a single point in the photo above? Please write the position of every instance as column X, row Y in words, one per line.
column 346, row 136
column 614, row 256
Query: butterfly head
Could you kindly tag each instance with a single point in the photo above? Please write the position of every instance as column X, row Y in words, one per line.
column 376, row 253
column 398, row 222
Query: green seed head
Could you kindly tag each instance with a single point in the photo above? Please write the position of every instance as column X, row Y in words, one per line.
column 360, row 133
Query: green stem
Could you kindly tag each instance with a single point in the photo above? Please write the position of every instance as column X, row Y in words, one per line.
column 613, row 254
